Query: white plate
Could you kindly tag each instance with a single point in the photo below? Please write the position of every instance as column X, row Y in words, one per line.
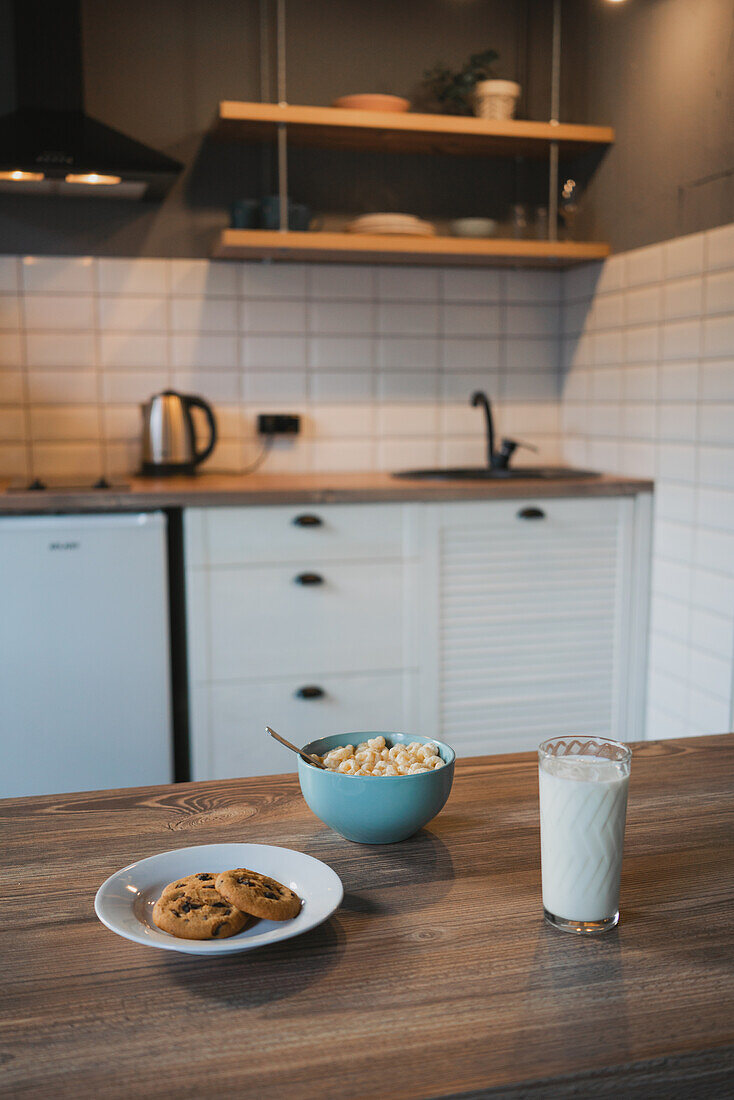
column 386, row 217
column 390, row 223
column 124, row 903
column 392, row 230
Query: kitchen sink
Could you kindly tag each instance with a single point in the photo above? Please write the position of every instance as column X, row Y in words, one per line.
column 487, row 473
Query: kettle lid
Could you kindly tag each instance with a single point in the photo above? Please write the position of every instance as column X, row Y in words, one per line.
column 158, row 398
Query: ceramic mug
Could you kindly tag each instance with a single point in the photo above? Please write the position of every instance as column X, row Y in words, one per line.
column 246, row 214
column 299, row 215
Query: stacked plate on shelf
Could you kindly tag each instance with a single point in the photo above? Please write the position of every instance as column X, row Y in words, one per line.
column 372, row 102
column 400, row 224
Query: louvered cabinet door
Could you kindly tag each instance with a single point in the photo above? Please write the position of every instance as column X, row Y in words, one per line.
column 527, row 620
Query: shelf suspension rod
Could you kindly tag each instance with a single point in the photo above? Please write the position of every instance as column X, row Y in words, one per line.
column 282, row 129
column 265, row 86
column 266, row 91
column 555, row 112
column 556, row 64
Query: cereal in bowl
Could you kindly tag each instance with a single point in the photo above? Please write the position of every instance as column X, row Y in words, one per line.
column 374, row 758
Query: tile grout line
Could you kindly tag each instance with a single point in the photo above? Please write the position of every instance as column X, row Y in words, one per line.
column 439, row 400
column 100, row 403
column 242, row 358
column 20, row 291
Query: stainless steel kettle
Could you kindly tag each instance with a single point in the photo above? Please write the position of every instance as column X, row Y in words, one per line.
column 169, row 435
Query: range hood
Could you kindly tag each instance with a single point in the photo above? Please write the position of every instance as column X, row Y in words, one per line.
column 48, row 145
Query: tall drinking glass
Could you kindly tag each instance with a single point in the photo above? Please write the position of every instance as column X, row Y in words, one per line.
column 583, row 806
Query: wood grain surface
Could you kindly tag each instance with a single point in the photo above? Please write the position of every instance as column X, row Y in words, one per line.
column 345, row 247
column 215, row 490
column 404, row 132
column 436, row 978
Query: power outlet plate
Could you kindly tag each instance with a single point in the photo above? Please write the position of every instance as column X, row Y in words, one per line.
column 278, row 424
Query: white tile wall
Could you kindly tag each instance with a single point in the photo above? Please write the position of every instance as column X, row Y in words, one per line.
column 647, row 382
column 379, row 362
column 626, row 366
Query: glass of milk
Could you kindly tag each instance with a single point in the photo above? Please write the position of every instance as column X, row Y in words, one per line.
column 583, row 805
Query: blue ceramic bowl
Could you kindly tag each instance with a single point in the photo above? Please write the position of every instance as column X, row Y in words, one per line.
column 375, row 810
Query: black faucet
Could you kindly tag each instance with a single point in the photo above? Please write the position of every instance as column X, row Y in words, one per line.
column 496, row 460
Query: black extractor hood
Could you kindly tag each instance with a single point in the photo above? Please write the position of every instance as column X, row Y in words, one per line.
column 47, row 142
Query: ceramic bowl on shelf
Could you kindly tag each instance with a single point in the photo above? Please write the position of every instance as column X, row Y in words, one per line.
column 473, row 227
column 375, row 809
column 372, row 102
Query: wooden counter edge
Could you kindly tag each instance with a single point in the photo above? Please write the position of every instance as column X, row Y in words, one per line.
column 220, row 490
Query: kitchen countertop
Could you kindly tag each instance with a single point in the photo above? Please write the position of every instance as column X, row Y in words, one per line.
column 437, row 977
column 232, row 489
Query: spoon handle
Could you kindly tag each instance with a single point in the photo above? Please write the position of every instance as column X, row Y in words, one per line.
column 304, row 755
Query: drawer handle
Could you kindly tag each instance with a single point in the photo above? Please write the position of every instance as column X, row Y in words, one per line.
column 307, row 520
column 309, row 578
column 310, row 691
column 531, row 513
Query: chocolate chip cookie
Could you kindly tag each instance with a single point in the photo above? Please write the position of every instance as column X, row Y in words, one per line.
column 195, row 910
column 257, row 894
column 204, row 878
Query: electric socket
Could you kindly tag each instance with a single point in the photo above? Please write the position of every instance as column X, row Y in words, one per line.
column 278, row 424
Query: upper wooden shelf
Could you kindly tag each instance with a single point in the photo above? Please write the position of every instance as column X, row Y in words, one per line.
column 264, row 244
column 406, row 133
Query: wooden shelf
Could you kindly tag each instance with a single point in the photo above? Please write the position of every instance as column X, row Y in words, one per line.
column 406, row 133
column 267, row 244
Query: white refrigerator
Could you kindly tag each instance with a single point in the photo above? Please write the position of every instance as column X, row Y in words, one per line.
column 85, row 697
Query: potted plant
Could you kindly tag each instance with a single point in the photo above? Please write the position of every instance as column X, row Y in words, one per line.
column 473, row 89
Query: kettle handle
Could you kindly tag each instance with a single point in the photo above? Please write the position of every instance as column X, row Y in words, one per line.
column 199, row 403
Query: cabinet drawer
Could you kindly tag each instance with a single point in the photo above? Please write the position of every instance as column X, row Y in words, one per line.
column 228, row 728
column 531, row 520
column 243, row 536
column 264, row 623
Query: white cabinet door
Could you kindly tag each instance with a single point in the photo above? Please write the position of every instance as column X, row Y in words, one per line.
column 235, row 716
column 527, row 621
column 265, row 623
column 255, row 635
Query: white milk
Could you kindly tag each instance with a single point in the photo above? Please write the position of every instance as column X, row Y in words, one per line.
column 583, row 803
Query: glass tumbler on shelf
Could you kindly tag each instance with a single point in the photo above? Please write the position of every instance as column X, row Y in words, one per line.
column 568, row 207
column 541, row 223
column 583, row 806
column 519, row 220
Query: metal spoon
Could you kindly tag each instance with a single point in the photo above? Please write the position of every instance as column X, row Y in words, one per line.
column 304, row 755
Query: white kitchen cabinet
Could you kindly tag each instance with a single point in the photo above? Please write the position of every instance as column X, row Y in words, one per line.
column 275, row 606
column 534, row 620
column 490, row 624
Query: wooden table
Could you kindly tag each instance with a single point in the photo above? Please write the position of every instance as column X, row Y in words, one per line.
column 437, row 977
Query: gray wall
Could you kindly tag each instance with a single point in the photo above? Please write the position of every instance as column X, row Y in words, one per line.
column 156, row 69
column 662, row 73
